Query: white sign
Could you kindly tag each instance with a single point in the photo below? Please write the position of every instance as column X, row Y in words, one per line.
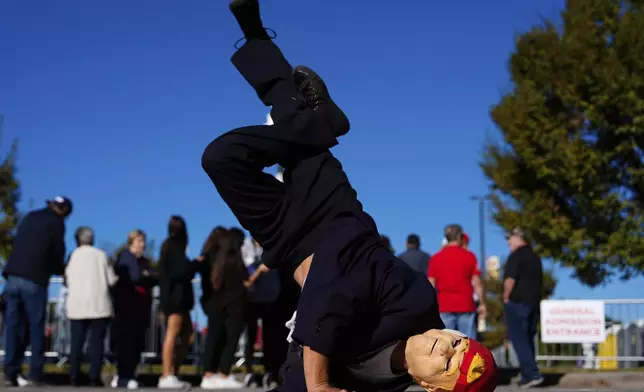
column 569, row 321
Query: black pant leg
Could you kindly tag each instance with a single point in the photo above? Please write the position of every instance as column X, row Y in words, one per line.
column 263, row 65
column 79, row 332
column 272, row 338
column 96, row 346
column 214, row 338
column 235, row 161
column 251, row 334
column 292, row 372
column 233, row 326
column 124, row 328
column 268, row 72
column 139, row 340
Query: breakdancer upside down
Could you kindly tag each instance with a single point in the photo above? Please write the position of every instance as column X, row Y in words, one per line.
column 365, row 320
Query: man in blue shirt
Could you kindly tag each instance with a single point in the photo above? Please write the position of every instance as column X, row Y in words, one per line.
column 38, row 253
column 414, row 257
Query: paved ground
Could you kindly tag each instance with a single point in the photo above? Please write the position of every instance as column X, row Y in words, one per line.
column 499, row 389
column 571, row 382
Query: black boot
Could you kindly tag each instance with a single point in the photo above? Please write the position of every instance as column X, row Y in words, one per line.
column 96, row 383
column 318, row 98
column 247, row 14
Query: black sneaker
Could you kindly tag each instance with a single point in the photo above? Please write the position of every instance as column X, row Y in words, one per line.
column 247, row 14
column 317, row 96
column 21, row 381
column 10, row 382
column 97, row 383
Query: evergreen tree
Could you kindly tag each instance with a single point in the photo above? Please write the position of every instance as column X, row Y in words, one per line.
column 570, row 170
column 9, row 197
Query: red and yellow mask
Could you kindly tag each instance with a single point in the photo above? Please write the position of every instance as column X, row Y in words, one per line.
column 448, row 361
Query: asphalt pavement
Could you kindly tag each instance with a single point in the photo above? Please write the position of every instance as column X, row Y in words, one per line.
column 499, row 389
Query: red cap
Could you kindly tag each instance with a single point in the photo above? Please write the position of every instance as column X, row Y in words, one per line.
column 478, row 371
column 466, row 238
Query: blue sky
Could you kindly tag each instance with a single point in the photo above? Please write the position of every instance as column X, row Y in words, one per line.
column 114, row 101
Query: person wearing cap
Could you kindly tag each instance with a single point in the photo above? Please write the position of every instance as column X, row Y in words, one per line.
column 522, row 280
column 38, row 253
column 465, row 241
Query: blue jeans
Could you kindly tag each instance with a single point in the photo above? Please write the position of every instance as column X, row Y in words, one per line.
column 462, row 322
column 26, row 307
column 97, row 329
column 522, row 323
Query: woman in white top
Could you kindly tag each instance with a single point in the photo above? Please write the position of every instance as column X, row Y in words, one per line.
column 88, row 277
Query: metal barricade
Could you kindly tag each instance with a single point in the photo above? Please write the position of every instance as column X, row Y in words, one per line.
column 623, row 347
column 58, row 333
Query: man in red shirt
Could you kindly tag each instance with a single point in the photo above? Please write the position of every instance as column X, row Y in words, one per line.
column 455, row 274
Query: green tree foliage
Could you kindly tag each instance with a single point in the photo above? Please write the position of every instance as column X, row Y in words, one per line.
column 570, row 169
column 496, row 334
column 9, row 197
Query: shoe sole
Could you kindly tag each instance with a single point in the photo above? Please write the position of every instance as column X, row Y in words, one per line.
column 339, row 120
column 240, row 3
column 533, row 383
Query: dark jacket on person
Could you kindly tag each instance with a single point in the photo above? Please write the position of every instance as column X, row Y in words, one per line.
column 132, row 294
column 266, row 288
column 175, row 278
column 232, row 292
column 358, row 300
column 38, row 248
column 416, row 259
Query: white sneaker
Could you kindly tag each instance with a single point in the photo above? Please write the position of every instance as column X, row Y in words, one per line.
column 248, row 379
column 210, row 382
column 132, row 384
column 268, row 383
column 22, row 382
column 230, row 383
column 172, row 382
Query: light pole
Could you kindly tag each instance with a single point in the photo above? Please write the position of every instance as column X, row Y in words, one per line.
column 481, row 199
column 481, row 324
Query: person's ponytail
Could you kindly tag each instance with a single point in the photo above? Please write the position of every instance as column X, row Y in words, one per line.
column 224, row 255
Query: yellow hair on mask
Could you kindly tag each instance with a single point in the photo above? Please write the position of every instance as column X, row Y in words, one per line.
column 476, row 369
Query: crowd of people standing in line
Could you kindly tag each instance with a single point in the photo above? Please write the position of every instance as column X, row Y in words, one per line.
column 117, row 294
column 237, row 290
